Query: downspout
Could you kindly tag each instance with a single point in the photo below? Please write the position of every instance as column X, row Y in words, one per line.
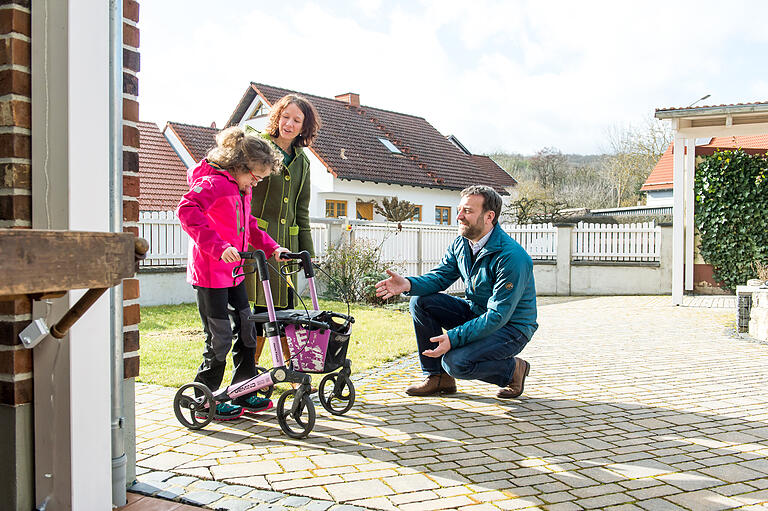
column 119, row 459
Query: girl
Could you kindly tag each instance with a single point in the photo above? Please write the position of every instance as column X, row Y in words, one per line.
column 281, row 201
column 216, row 215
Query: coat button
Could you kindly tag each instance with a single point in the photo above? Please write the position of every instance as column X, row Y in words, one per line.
column 282, row 220
column 285, row 199
column 287, row 177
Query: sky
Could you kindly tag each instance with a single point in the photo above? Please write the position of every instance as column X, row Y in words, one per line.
column 503, row 76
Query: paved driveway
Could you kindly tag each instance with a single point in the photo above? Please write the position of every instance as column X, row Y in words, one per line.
column 630, row 403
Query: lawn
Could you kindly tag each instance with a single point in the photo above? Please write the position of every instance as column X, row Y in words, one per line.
column 172, row 341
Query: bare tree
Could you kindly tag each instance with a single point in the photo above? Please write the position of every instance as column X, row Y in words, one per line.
column 632, row 154
column 549, row 165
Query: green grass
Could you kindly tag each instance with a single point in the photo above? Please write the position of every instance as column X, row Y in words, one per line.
column 172, row 341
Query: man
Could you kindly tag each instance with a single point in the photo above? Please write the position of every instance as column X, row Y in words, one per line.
column 486, row 330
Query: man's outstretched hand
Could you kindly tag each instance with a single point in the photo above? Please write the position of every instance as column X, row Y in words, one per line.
column 392, row 286
column 443, row 346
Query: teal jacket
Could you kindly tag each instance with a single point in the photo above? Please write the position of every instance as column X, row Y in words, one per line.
column 500, row 286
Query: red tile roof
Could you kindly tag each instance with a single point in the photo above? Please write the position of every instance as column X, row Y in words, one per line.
column 198, row 140
column 163, row 176
column 661, row 175
column 348, row 144
column 702, row 107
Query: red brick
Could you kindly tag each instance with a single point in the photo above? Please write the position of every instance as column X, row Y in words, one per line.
column 130, row 136
column 130, row 84
column 14, row 20
column 131, row 315
column 16, row 175
column 130, row 35
column 130, row 289
column 16, row 113
column 16, row 361
column 15, row 145
column 131, row 10
column 16, row 393
column 14, row 307
column 131, row 60
column 131, row 367
column 15, row 51
column 130, row 161
column 130, row 110
column 131, row 186
column 10, row 330
column 132, row 230
column 130, row 211
column 16, row 207
column 131, row 341
column 15, row 82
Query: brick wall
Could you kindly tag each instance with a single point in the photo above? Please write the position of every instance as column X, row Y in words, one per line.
column 131, row 313
column 15, row 186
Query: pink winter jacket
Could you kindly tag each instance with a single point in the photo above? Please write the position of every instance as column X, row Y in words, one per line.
column 217, row 215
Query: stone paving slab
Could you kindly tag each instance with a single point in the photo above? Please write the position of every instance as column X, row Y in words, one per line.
column 631, row 403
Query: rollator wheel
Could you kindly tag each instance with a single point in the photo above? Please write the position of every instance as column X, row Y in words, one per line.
column 266, row 392
column 296, row 418
column 191, row 410
column 339, row 397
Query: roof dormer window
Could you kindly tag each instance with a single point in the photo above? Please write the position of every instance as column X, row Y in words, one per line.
column 389, row 145
column 261, row 110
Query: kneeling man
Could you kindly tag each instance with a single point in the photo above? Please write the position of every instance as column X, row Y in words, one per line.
column 485, row 331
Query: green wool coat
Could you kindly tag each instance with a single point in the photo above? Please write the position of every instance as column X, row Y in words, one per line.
column 281, row 205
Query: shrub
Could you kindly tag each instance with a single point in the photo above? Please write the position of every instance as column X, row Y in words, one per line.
column 731, row 190
column 351, row 270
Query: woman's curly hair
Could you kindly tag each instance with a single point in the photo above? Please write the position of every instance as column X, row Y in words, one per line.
column 311, row 119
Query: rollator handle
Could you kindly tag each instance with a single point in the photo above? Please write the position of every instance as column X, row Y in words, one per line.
column 304, row 257
column 261, row 262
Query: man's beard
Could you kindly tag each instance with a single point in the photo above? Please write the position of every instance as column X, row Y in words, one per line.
column 471, row 231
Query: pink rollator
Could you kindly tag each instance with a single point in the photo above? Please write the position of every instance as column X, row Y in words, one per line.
column 318, row 342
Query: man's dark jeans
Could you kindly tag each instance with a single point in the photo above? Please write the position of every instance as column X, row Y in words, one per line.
column 491, row 359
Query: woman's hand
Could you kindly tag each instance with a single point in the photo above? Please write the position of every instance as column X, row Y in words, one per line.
column 230, row 255
column 278, row 251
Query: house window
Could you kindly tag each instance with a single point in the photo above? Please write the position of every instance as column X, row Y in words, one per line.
column 335, row 208
column 261, row 111
column 364, row 210
column 443, row 215
column 416, row 216
column 389, row 145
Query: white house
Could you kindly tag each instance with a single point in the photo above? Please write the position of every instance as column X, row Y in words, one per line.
column 364, row 154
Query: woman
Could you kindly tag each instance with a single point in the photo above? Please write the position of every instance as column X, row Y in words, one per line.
column 281, row 202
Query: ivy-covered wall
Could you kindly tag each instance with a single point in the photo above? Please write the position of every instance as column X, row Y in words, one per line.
column 731, row 192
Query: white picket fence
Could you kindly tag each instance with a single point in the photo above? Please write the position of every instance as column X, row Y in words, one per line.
column 419, row 247
column 616, row 242
column 167, row 241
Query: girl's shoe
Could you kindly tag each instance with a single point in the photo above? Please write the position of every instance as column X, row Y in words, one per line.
column 224, row 412
column 253, row 403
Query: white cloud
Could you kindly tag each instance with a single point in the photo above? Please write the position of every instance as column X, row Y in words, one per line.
column 516, row 76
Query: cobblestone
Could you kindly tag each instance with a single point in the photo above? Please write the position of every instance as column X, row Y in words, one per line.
column 630, row 404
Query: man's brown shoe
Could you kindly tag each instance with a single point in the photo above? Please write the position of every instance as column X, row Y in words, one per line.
column 433, row 384
column 516, row 384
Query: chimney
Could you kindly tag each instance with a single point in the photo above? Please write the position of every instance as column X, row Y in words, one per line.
column 350, row 98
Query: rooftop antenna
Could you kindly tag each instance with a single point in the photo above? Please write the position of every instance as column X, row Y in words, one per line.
column 700, row 99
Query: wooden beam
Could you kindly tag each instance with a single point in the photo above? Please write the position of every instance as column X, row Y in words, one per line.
column 41, row 261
